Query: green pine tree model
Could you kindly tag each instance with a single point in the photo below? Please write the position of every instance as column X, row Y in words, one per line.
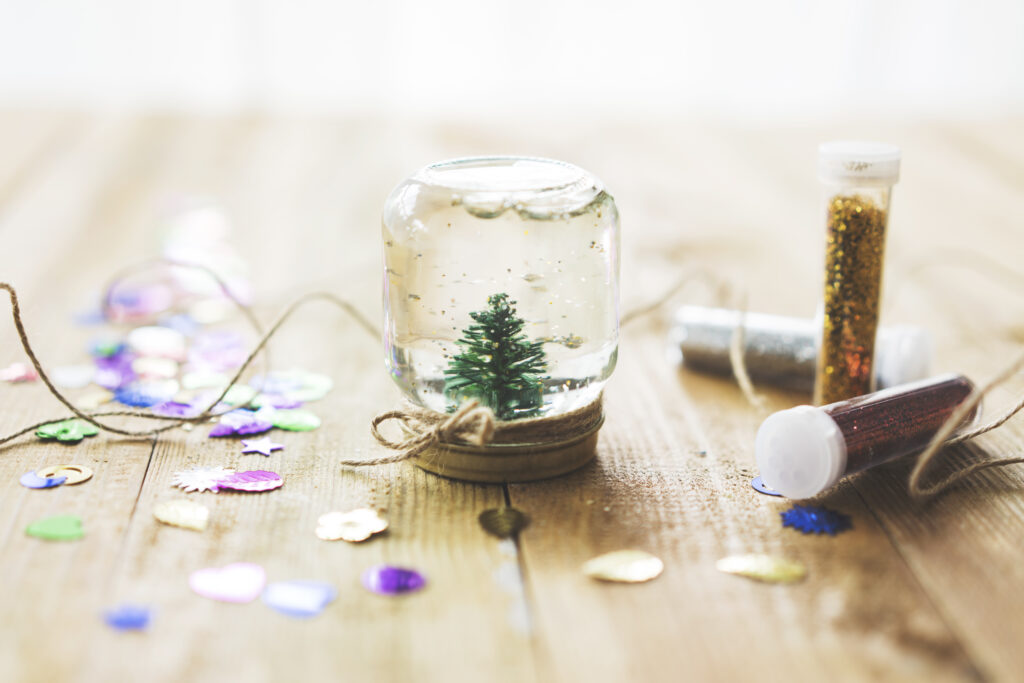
column 500, row 366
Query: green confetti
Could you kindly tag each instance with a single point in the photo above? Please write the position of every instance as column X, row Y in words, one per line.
column 239, row 394
column 59, row 528
column 314, row 387
column 295, row 420
column 67, row 431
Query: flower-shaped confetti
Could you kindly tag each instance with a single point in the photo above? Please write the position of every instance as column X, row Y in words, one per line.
column 17, row 373
column 67, row 431
column 817, row 520
column 355, row 526
column 295, row 420
column 387, row 580
column 128, row 617
column 763, row 568
column 241, row 423
column 253, row 481
column 624, row 566
column 263, row 446
column 201, row 478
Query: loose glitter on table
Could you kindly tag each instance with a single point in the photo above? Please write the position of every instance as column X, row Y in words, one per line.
column 263, row 446
column 817, row 520
column 388, row 580
column 354, row 526
column 503, row 522
column 182, row 513
column 764, row 568
column 128, row 617
column 624, row 566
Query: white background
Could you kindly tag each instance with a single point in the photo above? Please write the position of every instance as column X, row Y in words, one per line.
column 792, row 59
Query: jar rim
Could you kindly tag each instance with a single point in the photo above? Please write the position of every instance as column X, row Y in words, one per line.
column 505, row 173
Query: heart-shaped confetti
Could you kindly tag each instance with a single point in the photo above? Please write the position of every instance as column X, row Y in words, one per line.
column 503, row 522
column 182, row 513
column 33, row 481
column 355, row 526
column 128, row 617
column 299, row 598
column 387, row 580
column 58, row 528
column 67, row 431
column 240, row 423
column 239, row 582
column 252, row 481
column 74, row 474
column 295, row 420
column 201, row 478
column 763, row 568
column 624, row 566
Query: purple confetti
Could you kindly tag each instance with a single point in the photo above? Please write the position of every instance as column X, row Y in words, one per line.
column 115, row 371
column 218, row 351
column 240, row 422
column 176, row 409
column 139, row 395
column 142, row 302
column 34, row 481
column 128, row 617
column 387, row 580
column 252, row 481
column 814, row 519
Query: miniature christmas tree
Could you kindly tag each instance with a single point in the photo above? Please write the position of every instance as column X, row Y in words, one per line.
column 500, row 366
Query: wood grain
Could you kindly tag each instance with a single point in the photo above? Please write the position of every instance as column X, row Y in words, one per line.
column 913, row 592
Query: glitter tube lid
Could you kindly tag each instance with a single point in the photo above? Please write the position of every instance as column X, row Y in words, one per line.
column 800, row 452
column 858, row 163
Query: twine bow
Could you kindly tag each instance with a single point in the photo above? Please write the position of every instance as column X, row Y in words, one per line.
column 471, row 423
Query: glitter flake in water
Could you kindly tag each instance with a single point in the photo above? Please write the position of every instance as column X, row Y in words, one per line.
column 812, row 519
column 387, row 580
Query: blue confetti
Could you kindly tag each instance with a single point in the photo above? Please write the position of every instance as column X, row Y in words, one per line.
column 761, row 487
column 128, row 617
column 817, row 520
column 34, row 481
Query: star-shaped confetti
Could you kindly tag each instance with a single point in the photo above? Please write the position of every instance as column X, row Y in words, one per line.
column 201, row 478
column 812, row 519
column 263, row 445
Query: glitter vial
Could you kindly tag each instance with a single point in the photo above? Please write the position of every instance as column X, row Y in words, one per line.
column 501, row 286
column 858, row 179
column 782, row 350
column 805, row 450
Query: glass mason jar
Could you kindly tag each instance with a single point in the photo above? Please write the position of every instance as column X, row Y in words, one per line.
column 858, row 179
column 501, row 285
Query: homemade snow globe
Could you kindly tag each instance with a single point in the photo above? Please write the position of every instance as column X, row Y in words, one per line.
column 501, row 288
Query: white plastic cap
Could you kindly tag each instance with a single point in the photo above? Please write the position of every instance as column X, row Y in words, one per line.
column 800, row 452
column 904, row 354
column 863, row 163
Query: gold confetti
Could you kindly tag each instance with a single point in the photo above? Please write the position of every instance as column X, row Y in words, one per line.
column 75, row 474
column 624, row 566
column 763, row 568
column 355, row 526
column 183, row 513
column 503, row 522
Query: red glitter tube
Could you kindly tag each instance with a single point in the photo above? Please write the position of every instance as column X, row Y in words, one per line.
column 806, row 450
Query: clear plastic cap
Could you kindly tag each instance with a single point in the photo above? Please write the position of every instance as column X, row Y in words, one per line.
column 904, row 354
column 800, row 452
column 860, row 163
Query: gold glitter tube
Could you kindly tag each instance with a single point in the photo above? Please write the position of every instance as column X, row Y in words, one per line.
column 858, row 179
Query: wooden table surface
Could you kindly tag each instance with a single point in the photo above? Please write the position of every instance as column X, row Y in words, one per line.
column 914, row 592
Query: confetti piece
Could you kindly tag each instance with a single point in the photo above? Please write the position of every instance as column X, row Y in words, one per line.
column 180, row 322
column 200, row 478
column 140, row 302
column 253, row 481
column 176, row 409
column 239, row 582
column 240, row 423
column 761, row 487
column 218, row 351
column 624, row 566
column 297, row 385
column 264, row 446
column 204, row 379
column 155, row 368
column 763, row 568
column 818, row 520
column 94, row 399
column 73, row 376
column 299, row 598
column 276, row 401
column 183, row 513
column 295, row 420
column 75, row 474
column 32, row 480
column 19, row 373
column 128, row 617
column 146, row 393
column 355, row 526
column 503, row 522
column 59, row 528
column 115, row 371
column 157, row 342
column 105, row 347
column 387, row 580
column 67, row 431
column 239, row 395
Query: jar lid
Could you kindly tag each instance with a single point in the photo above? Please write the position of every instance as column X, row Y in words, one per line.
column 867, row 163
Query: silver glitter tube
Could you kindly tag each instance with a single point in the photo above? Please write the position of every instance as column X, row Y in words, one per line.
column 783, row 351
